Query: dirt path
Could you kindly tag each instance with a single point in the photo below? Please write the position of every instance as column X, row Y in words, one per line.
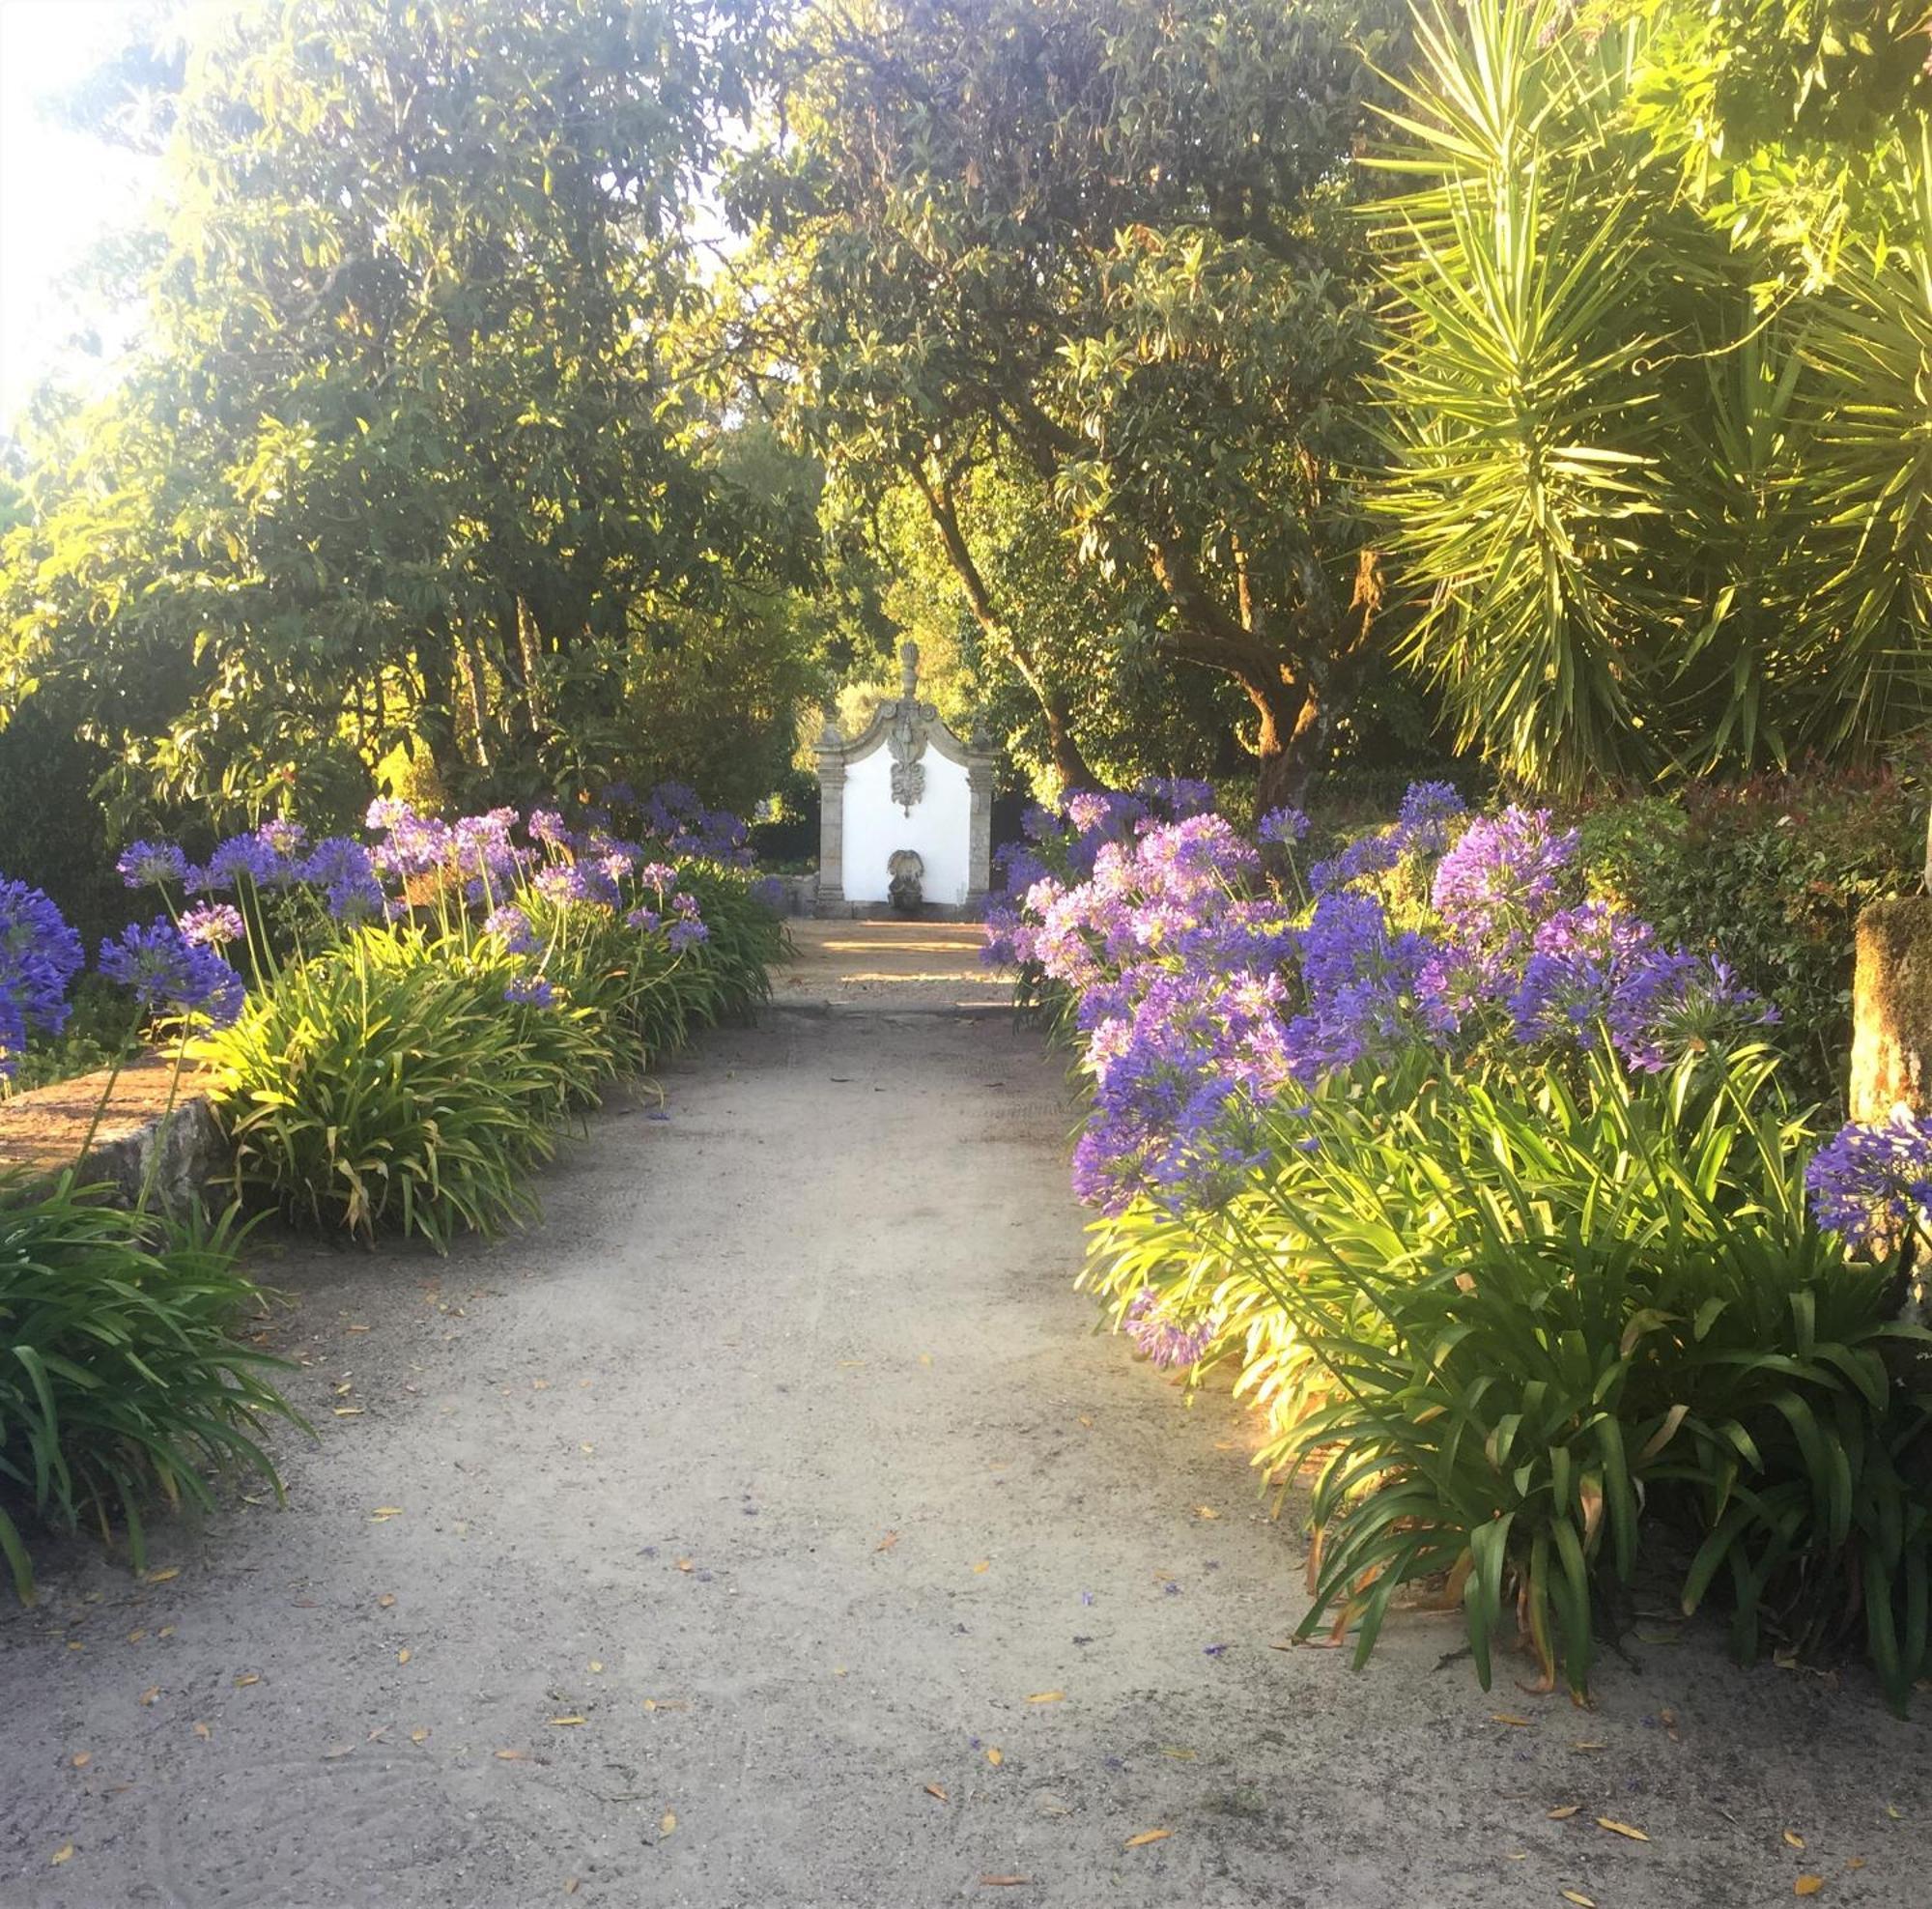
column 738, row 1513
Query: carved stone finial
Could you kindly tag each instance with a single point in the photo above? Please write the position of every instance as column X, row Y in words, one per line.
column 908, row 670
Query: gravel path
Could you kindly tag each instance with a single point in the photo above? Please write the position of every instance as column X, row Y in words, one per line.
column 770, row 1527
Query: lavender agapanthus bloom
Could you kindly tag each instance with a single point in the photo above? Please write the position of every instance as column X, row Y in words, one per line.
column 530, row 991
column 212, row 925
column 1180, row 796
column 145, row 863
column 512, row 927
column 40, row 955
column 345, row 872
column 251, row 858
column 1282, row 826
column 768, row 892
column 1362, row 982
column 1507, row 873
column 1871, row 1184
column 167, row 973
column 1166, row 1341
column 643, row 920
column 286, row 839
column 548, row 825
column 1675, row 1003
column 1582, row 962
column 686, row 932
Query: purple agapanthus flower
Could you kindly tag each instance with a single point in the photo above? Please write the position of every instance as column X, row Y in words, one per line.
column 1165, row 1341
column 344, row 869
column 1872, row 1184
column 530, row 991
column 40, row 955
column 212, row 925
column 643, row 920
column 512, row 927
column 251, row 858
column 686, row 933
column 1427, row 810
column 1507, row 873
column 151, row 864
column 167, row 973
column 1282, row 826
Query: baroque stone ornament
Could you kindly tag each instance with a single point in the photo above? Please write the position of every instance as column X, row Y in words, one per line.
column 906, row 737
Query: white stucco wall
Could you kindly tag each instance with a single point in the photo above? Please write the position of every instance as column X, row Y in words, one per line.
column 939, row 828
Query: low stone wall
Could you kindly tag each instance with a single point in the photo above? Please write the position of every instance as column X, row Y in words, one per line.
column 41, row 1134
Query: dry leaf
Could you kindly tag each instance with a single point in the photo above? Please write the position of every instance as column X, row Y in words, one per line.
column 1793, row 1840
column 349, row 1411
column 985, row 1564
column 995, row 1756
column 135, row 1637
column 1896, row 1814
column 162, row 1577
column 1515, row 1723
column 403, row 1655
column 1004, row 1882
column 358, row 1329
column 925, row 1358
column 1178, row 1755
column 1517, row 1856
column 1047, row 1697
column 1087, row 1421
column 64, row 1854
column 1808, row 1885
column 1147, row 1836
column 1206, row 1511
column 1577, row 1897
column 81, row 1758
column 386, row 1600
column 560, row 1723
column 1618, row 1829
column 596, row 1666
column 570, row 1882
column 886, row 1542
column 418, row 1736
column 166, row 1630
column 152, row 1695
column 337, row 1751
column 383, row 1511
column 933, row 1789
column 667, row 1823
column 512, row 1756
column 246, row 1678
column 1855, row 1862
column 684, row 1564
column 1563, row 1811
column 586, row 1448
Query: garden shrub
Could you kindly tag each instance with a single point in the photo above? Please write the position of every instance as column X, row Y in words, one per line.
column 1494, row 1199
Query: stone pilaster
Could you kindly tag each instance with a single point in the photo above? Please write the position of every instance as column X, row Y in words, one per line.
column 979, row 823
column 831, row 753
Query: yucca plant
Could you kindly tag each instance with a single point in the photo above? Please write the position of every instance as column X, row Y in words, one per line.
column 120, row 1377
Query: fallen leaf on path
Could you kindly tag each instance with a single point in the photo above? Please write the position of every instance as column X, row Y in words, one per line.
column 985, row 1564
column 419, row 1735
column 383, row 1511
column 667, row 1823
column 1178, row 1755
column 1504, row 1717
column 151, row 1695
column 596, row 1666
column 995, row 1756
column 64, row 1854
column 886, row 1542
column 403, row 1655
column 1577, row 1897
column 162, row 1577
column 925, row 1358
column 1147, row 1836
column 135, row 1637
column 358, row 1329
column 570, row 1882
column 1618, row 1829
column 1517, row 1856
column 1808, row 1885
column 933, row 1789
column 166, row 1630
column 1004, row 1882
column 1793, row 1840
column 81, row 1758
column 386, row 1600
column 1087, row 1420
column 512, row 1756
column 563, row 1722
column 337, row 1751
column 1563, row 1811
column 1855, row 1862
column 684, row 1564
column 1047, row 1697
column 586, row 1448
column 203, row 1731
column 1896, row 1814
column 1206, row 1511
column 1589, row 1746
column 1668, row 1718
column 246, row 1678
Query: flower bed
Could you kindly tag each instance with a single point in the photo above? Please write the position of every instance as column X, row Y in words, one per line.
column 1495, row 1202
column 390, row 1034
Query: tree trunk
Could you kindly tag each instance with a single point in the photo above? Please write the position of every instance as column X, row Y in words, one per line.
column 436, row 714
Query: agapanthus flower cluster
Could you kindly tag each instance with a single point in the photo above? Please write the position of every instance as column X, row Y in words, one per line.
column 1507, row 873
column 530, row 991
column 40, row 955
column 168, row 974
column 1872, row 1183
column 1164, row 1341
column 212, row 925
column 151, row 865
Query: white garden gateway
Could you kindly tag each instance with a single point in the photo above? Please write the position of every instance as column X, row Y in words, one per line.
column 907, row 811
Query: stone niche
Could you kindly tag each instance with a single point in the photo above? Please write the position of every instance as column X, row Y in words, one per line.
column 907, row 804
